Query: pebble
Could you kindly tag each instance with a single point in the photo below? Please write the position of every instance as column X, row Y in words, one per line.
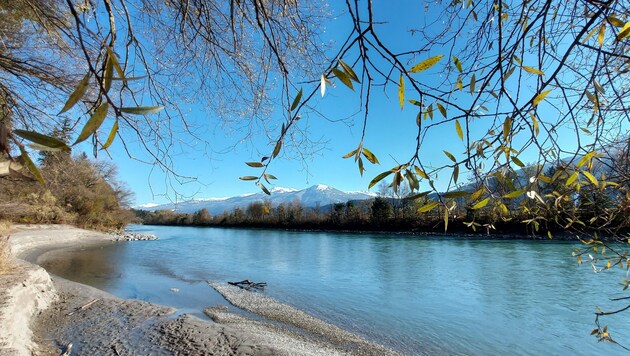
column 133, row 236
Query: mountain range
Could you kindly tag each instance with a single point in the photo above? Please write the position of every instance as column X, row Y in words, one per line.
column 317, row 195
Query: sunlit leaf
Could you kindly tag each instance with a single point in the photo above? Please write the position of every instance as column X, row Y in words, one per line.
column 343, row 77
column 350, row 154
column 112, row 135
column 535, row 124
column 518, row 162
column 458, row 129
column 95, row 121
column 458, row 64
column 481, row 204
column 602, row 34
column 43, row 140
column 598, row 87
column 615, row 21
column 378, row 178
column 421, row 173
column 31, row 166
column 370, row 156
column 426, row 64
column 269, row 176
column 116, row 64
column 540, row 97
column 401, row 91
column 427, row 207
column 247, row 178
column 571, row 179
column 276, row 149
column 255, row 164
column 322, row 85
column 296, row 101
column 77, row 94
column 417, row 196
column 109, row 74
column 507, row 128
column 533, row 70
column 445, row 219
column 460, row 84
column 591, row 178
column 349, row 71
column 415, row 102
column 624, row 32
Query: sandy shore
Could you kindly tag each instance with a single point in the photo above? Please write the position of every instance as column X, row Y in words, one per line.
column 45, row 315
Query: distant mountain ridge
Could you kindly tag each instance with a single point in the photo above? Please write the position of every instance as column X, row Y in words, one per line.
column 317, row 195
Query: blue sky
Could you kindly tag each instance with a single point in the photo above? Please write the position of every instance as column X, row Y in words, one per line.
column 391, row 133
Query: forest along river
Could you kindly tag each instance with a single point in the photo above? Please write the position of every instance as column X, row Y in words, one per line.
column 413, row 294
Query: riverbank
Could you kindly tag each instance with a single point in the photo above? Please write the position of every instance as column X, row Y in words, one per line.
column 45, row 314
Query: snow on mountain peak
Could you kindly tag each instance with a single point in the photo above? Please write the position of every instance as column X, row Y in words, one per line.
column 321, row 187
column 283, row 190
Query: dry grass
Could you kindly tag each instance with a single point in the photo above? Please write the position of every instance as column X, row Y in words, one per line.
column 5, row 258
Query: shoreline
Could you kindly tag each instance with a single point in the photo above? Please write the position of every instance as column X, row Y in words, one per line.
column 63, row 314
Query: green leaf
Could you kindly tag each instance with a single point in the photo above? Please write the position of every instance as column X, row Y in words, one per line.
column 109, row 73
column 112, row 135
column 533, row 70
column 508, row 74
column 481, row 204
column 43, row 140
column 361, row 169
column 427, row 207
column 247, row 178
column 142, row 110
column 276, row 149
column 401, row 91
column 445, row 219
column 378, row 178
column 585, row 159
column 370, row 156
column 349, row 71
column 457, row 194
column 458, row 64
column 514, row 194
column 615, row 21
column 473, row 81
column 263, row 188
column 417, row 196
column 426, row 64
column 296, row 101
column 415, row 102
column 77, row 94
column 269, row 176
column 95, row 121
column 458, row 129
column 441, row 109
column 540, row 97
column 343, row 77
column 450, row 156
column 350, row 154
column 255, row 164
column 517, row 162
column 31, row 166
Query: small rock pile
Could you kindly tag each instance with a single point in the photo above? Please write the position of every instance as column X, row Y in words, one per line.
column 133, row 236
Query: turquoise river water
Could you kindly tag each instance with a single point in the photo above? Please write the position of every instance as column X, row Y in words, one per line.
column 417, row 295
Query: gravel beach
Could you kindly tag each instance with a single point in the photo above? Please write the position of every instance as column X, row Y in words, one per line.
column 48, row 315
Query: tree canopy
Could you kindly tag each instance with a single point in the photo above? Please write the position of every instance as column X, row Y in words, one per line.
column 535, row 90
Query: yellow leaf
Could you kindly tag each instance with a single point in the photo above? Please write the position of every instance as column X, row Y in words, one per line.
column 602, row 34
column 426, row 64
column 112, row 135
column 458, row 64
column 77, row 94
column 533, row 70
column 591, row 178
column 401, row 91
column 93, row 123
column 571, row 179
column 481, row 204
column 458, row 128
column 540, row 97
column 427, row 207
column 507, row 128
column 615, row 21
column 624, row 32
column 514, row 194
column 350, row 154
column 421, row 173
column 445, row 219
column 450, row 156
column 460, row 85
column 370, row 156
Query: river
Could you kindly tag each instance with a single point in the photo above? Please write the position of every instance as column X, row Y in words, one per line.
column 431, row 295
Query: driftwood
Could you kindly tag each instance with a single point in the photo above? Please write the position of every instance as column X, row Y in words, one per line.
column 247, row 284
column 83, row 307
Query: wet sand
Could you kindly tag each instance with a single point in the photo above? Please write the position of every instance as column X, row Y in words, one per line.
column 93, row 322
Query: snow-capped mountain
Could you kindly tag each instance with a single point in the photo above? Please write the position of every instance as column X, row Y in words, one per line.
column 317, row 195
